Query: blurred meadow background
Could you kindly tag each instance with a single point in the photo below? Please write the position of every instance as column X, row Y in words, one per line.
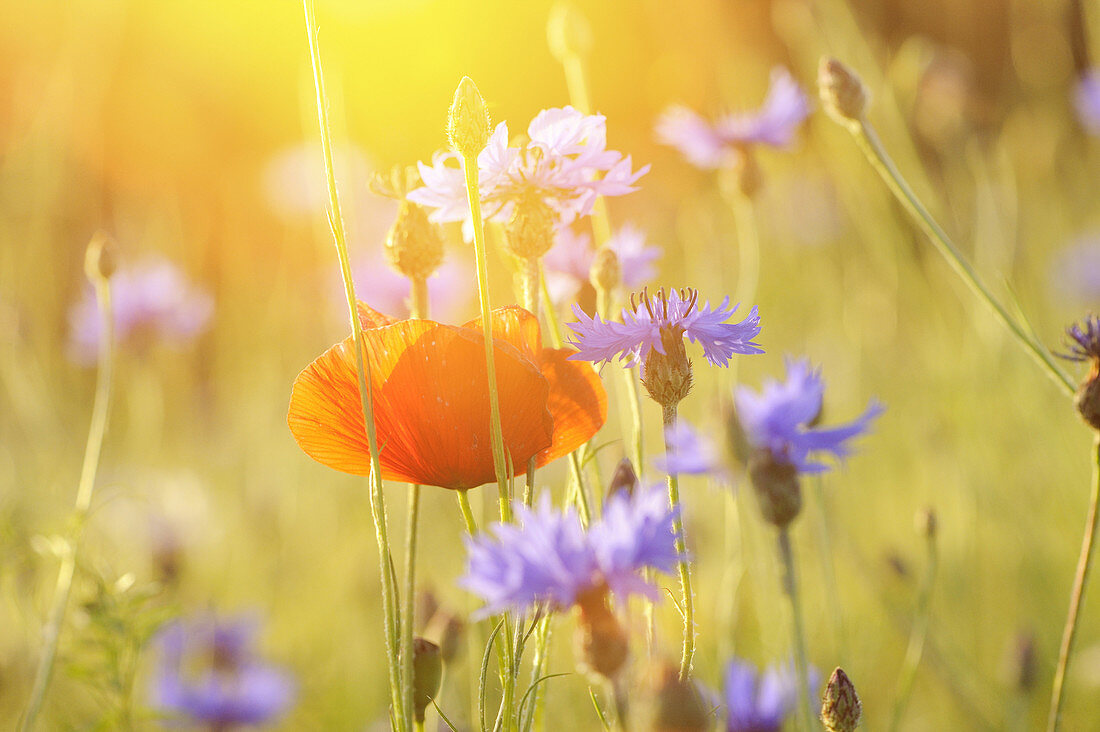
column 187, row 131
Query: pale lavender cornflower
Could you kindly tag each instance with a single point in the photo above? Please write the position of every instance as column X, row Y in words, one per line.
column 209, row 676
column 151, row 299
column 758, row 702
column 1075, row 270
column 568, row 264
column 689, row 452
column 715, row 144
column 388, row 292
column 565, row 162
column 546, row 556
column 778, row 419
column 1083, row 340
column 1087, row 99
column 653, row 322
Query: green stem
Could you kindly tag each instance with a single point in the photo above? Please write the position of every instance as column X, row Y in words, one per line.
column 634, row 396
column 917, row 637
column 532, row 276
column 377, row 499
column 1084, row 564
column 873, row 148
column 467, row 512
column 92, row 449
column 687, row 598
column 496, row 434
column 790, row 587
column 533, row 719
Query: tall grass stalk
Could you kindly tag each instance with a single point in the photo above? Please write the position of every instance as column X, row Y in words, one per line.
column 398, row 696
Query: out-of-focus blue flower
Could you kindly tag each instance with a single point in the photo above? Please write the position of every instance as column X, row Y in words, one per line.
column 1076, row 270
column 1087, row 98
column 675, row 314
column 209, row 676
column 546, row 556
column 708, row 144
column 151, row 299
column 1084, row 340
column 758, row 702
column 689, row 452
column 778, row 419
column 388, row 292
column 569, row 262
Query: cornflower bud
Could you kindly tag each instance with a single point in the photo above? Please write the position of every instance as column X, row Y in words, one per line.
column 777, row 488
column 668, row 375
column 413, row 245
column 427, row 675
column 567, row 32
column 602, row 646
column 530, row 231
column 607, row 272
column 677, row 704
column 468, row 120
column 842, row 92
column 100, row 258
column 841, row 708
column 624, row 478
column 1083, row 344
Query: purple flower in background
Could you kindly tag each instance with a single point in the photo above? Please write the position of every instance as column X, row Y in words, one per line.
column 1084, row 340
column 565, row 162
column 778, row 419
column 150, row 299
column 713, row 144
column 548, row 557
column 569, row 261
column 761, row 702
column 378, row 285
column 1076, row 270
column 653, row 318
column 209, row 676
column 689, row 452
column 1087, row 100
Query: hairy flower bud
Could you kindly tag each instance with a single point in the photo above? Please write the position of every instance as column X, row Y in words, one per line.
column 427, row 675
column 530, row 231
column 1087, row 399
column 777, row 488
column 842, row 92
column 607, row 272
column 100, row 258
column 414, row 246
column 677, row 705
column 624, row 478
column 602, row 646
column 841, row 708
column 567, row 32
column 468, row 123
column 667, row 376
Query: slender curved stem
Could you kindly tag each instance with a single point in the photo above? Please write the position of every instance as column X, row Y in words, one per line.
column 401, row 718
column 467, row 512
column 532, row 276
column 92, row 449
column 687, row 597
column 1077, row 596
column 880, row 160
column 801, row 665
column 917, row 636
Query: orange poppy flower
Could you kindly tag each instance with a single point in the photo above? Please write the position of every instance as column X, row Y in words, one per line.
column 431, row 400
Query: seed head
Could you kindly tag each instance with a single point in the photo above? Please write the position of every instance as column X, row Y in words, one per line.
column 568, row 32
column 842, row 92
column 777, row 488
column 607, row 272
column 841, row 708
column 468, row 120
column 413, row 245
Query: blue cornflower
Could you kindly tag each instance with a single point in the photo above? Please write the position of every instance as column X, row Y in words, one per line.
column 1084, row 340
column 689, row 452
column 547, row 556
column 208, row 675
column 653, row 323
column 778, row 419
column 758, row 702
column 1087, row 99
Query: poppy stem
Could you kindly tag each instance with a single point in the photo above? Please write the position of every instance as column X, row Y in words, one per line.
column 398, row 695
column 467, row 512
column 1084, row 563
column 687, row 597
column 496, row 433
column 880, row 160
column 92, row 449
column 801, row 665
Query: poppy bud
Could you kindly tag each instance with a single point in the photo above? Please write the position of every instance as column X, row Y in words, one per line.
column 413, row 245
column 468, row 120
column 677, row 704
column 777, row 488
column 607, row 272
column 602, row 646
column 667, row 376
column 427, row 675
column 530, row 231
column 624, row 478
column 567, row 32
column 841, row 708
column 100, row 258
column 842, row 92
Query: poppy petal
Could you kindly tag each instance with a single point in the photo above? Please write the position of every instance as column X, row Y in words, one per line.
column 371, row 318
column 577, row 402
column 516, row 326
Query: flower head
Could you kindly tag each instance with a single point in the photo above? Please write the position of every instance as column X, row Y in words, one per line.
column 1087, row 99
column 652, row 321
column 152, row 300
column 714, row 144
column 689, row 452
column 565, row 163
column 209, row 675
column 568, row 264
column 758, row 702
column 548, row 557
column 431, row 400
column 778, row 419
column 1083, row 340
